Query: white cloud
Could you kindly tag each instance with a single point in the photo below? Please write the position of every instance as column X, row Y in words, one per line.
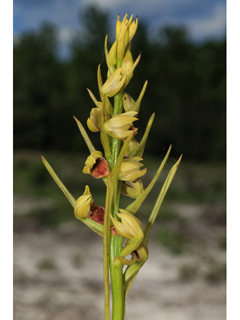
column 203, row 18
column 214, row 24
column 66, row 34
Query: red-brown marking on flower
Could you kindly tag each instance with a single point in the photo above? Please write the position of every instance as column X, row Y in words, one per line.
column 113, row 230
column 135, row 253
column 97, row 214
column 100, row 169
column 134, row 129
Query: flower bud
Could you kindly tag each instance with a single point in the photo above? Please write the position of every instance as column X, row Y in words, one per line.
column 83, row 204
column 128, row 102
column 112, row 56
column 129, row 227
column 132, row 189
column 94, row 123
column 96, row 165
column 132, row 146
column 130, row 169
column 118, row 126
column 123, row 36
column 128, row 67
column 129, row 73
column 127, row 62
column 141, row 253
column 114, row 83
column 118, row 27
column 133, row 29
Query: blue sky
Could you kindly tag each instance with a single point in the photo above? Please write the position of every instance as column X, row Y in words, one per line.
column 203, row 18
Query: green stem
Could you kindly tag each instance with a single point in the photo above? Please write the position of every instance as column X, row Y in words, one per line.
column 106, row 246
column 116, row 242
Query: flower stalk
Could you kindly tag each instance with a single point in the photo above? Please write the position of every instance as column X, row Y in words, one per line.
column 119, row 165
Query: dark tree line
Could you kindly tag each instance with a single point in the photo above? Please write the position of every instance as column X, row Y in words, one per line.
column 186, row 89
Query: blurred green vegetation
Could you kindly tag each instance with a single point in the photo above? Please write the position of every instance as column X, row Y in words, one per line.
column 186, row 89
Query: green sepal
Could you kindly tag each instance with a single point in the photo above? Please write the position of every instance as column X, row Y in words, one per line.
column 132, row 246
column 159, row 201
column 85, row 136
column 96, row 227
column 136, row 105
column 135, row 205
column 121, row 261
column 140, row 149
column 98, row 104
column 110, row 67
column 100, row 84
column 130, row 275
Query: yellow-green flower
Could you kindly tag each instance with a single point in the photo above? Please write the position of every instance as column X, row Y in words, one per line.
column 128, row 66
column 118, row 126
column 82, row 205
column 132, row 189
column 96, row 165
column 132, row 147
column 129, row 227
column 112, row 56
column 94, row 123
column 130, row 169
column 141, row 253
column 114, row 83
column 128, row 102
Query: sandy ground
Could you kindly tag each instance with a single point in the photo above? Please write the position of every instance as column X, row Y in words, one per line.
column 58, row 276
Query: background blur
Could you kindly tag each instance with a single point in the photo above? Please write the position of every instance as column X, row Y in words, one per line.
column 58, row 263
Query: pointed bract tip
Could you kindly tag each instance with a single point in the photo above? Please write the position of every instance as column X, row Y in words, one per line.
column 179, row 160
